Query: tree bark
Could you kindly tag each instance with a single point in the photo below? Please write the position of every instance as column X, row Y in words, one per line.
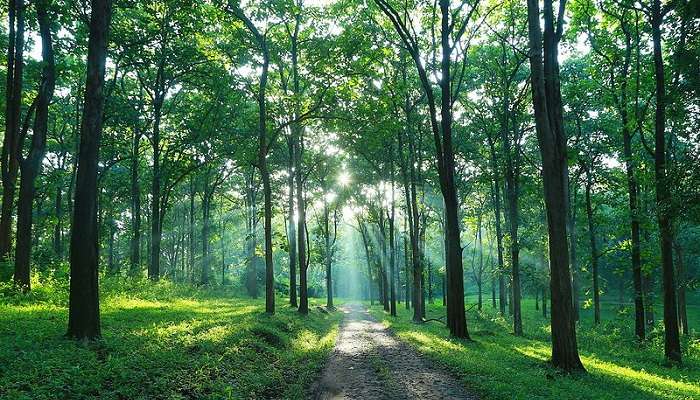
column 292, row 228
column 383, row 260
column 190, row 234
column 9, row 164
column 206, row 227
column 442, row 135
column 31, row 165
column 83, row 305
column 301, row 223
column 329, row 256
column 512, row 188
column 58, row 228
column 456, row 318
column 252, row 231
column 392, row 245
column 135, row 256
column 573, row 258
column 547, row 104
column 496, row 189
column 682, row 308
column 156, row 233
column 594, row 246
column 672, row 345
column 407, row 274
column 263, row 150
column 365, row 243
column 481, row 265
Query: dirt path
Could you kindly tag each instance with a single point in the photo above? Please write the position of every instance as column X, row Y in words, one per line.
column 369, row 363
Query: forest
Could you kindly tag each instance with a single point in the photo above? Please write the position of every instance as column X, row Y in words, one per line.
column 350, row 199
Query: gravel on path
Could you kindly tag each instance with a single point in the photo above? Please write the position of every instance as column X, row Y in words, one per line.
column 368, row 362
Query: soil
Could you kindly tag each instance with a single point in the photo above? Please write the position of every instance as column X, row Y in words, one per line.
column 370, row 363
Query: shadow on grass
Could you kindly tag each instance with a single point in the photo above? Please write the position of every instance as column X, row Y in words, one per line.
column 613, row 342
column 179, row 348
column 499, row 365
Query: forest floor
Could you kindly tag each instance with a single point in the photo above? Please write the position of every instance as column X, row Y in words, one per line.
column 370, row 363
column 161, row 341
column 498, row 365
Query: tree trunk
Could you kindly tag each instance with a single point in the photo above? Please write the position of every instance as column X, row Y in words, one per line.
column 409, row 182
column 672, row 345
column 269, row 267
column 301, row 223
column 552, row 143
column 58, row 228
column 263, row 149
column 156, row 234
column 298, row 139
column 9, row 162
column 392, row 245
column 493, row 293
column 682, row 309
column 573, row 259
column 594, row 247
column 328, row 259
column 496, row 189
column 252, row 231
column 135, row 256
column 442, row 135
column 112, row 267
column 365, row 243
column 407, row 274
column 544, row 302
column 456, row 318
column 190, row 235
column 223, row 248
column 633, row 189
column 31, row 166
column 83, row 305
column 206, row 256
column 512, row 189
column 383, row 261
column 481, row 265
column 292, row 239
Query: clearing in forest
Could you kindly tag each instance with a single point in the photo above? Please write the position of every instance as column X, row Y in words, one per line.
column 369, row 363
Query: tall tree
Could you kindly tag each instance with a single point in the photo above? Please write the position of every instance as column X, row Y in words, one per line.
column 546, row 98
column 452, row 28
column 31, row 164
column 84, row 304
column 672, row 344
column 264, row 144
column 618, row 67
column 13, row 102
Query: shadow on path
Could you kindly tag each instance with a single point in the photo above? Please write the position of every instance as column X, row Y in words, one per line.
column 369, row 363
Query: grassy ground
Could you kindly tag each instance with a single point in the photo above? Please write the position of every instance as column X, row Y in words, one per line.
column 161, row 341
column 498, row 365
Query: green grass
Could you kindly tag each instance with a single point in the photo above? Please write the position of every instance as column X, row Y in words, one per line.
column 160, row 341
column 498, row 365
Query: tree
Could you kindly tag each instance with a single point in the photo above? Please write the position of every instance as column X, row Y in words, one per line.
column 452, row 29
column 30, row 166
column 84, row 304
column 13, row 103
column 615, row 53
column 264, row 144
column 672, row 345
column 546, row 99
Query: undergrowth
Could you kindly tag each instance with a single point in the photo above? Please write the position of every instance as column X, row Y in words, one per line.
column 160, row 341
